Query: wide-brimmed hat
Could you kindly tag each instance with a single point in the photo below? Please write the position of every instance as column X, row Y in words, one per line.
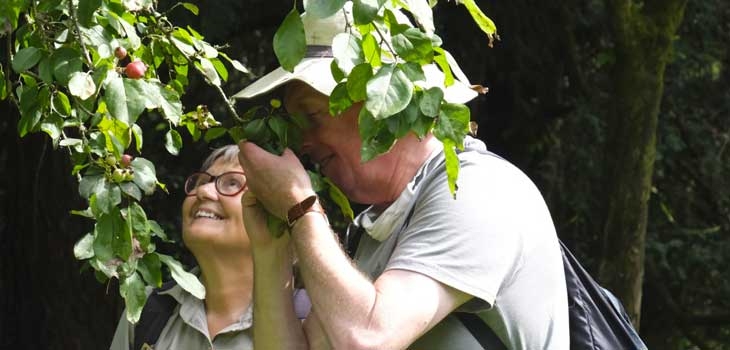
column 315, row 68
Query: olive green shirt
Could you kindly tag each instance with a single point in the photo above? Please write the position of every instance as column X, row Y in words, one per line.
column 187, row 328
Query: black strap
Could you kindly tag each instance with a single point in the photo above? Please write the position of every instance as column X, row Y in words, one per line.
column 155, row 314
column 480, row 331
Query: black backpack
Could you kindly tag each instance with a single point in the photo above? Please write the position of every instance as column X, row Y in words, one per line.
column 597, row 319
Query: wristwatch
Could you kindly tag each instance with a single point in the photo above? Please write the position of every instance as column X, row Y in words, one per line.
column 309, row 204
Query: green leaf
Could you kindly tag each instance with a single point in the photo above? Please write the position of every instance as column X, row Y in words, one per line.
column 132, row 290
column 375, row 136
column 452, row 166
column 144, row 175
column 191, row 7
column 66, row 61
column 169, row 102
column 184, row 279
column 86, row 11
column 26, row 59
column 289, row 41
column 108, row 196
column 138, row 219
column 89, row 184
column 413, row 46
column 340, row 199
column 84, row 248
column 323, row 8
column 364, row 11
column 130, row 189
column 106, row 227
column 371, row 50
column 279, row 126
column 484, row 23
column 149, row 267
column 214, row 133
column 138, row 139
column 45, row 70
column 443, row 63
column 452, row 123
column 389, row 92
column 431, row 101
column 173, row 142
column 337, row 73
column 357, row 81
column 220, row 68
column 140, row 96
column 158, row 231
column 257, row 131
column 117, row 135
column 347, row 50
column 52, row 125
column 61, row 104
column 81, row 85
column 122, row 240
column 209, row 70
column 339, row 100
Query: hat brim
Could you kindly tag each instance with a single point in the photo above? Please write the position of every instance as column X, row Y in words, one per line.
column 316, row 73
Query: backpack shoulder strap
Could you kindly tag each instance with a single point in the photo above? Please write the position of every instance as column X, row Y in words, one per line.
column 480, row 331
column 155, row 314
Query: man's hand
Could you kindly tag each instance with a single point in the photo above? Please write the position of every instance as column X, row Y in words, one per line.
column 279, row 182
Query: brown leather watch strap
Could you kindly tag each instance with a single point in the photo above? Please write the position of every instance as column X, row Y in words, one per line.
column 309, row 204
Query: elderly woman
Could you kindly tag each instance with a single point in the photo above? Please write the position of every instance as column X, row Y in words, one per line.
column 213, row 230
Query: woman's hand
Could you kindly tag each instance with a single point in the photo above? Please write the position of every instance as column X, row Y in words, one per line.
column 255, row 222
column 278, row 182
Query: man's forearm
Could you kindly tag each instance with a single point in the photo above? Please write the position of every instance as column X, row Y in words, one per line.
column 342, row 297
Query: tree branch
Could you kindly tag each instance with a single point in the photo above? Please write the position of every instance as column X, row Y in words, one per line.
column 77, row 26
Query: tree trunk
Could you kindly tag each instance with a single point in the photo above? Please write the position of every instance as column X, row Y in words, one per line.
column 643, row 33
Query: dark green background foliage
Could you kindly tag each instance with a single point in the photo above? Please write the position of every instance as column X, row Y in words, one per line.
column 550, row 89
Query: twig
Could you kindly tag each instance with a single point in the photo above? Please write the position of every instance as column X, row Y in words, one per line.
column 74, row 19
column 220, row 91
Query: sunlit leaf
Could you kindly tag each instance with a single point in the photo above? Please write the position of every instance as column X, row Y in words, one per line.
column 144, row 175
column 132, row 290
column 81, row 85
column 389, row 92
column 323, row 8
column 484, row 23
column 173, row 142
column 184, row 279
column 84, row 248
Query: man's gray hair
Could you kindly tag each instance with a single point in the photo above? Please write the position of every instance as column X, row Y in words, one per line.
column 228, row 154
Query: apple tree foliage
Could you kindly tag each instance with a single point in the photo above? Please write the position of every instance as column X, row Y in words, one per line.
column 85, row 71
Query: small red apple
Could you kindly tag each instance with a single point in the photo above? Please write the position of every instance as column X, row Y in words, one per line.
column 120, row 53
column 126, row 160
column 136, row 69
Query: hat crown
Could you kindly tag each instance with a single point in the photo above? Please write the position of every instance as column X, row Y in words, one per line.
column 321, row 31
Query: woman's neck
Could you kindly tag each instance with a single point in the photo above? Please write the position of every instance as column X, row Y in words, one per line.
column 228, row 289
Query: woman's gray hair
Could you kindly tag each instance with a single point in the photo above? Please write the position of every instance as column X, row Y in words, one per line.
column 228, row 154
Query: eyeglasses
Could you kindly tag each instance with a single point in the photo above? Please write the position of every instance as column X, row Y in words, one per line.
column 227, row 184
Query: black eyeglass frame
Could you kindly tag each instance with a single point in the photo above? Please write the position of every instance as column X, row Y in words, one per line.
column 216, row 184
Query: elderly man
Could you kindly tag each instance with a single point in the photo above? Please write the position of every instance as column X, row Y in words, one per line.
column 491, row 252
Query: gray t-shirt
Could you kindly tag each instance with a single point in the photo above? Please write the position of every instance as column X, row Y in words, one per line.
column 496, row 241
